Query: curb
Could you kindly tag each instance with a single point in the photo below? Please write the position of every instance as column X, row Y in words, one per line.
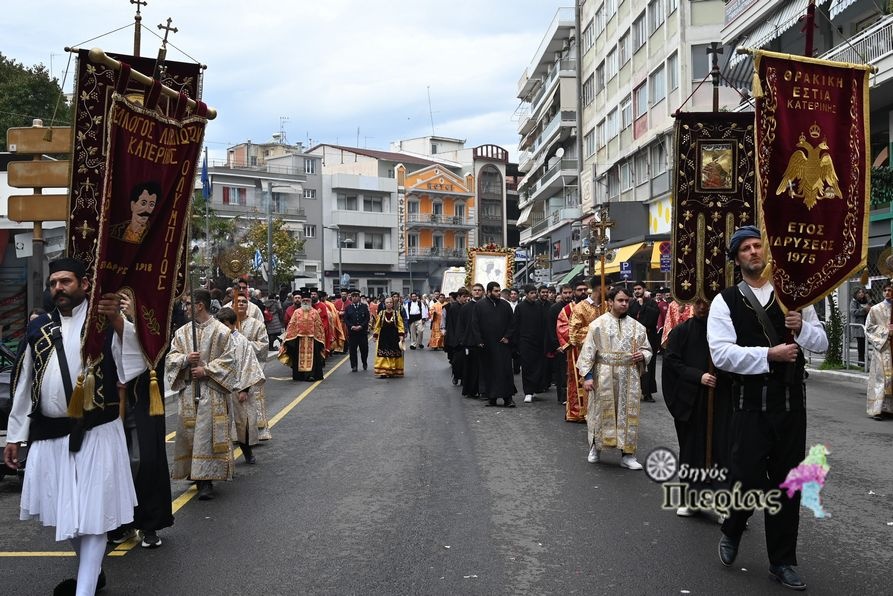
column 853, row 376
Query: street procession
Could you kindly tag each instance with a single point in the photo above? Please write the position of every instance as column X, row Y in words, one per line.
column 610, row 312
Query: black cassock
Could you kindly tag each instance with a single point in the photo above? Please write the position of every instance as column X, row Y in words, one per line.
column 686, row 359
column 529, row 339
column 490, row 322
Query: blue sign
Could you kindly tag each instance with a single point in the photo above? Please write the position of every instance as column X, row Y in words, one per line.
column 666, row 263
column 626, row 269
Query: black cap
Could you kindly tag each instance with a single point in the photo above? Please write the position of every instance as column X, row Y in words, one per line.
column 68, row 264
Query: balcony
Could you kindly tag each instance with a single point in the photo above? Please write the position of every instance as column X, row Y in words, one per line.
column 435, row 253
column 264, row 168
column 362, row 256
column 364, row 219
column 559, row 176
column 868, row 47
column 525, row 159
column 287, row 213
column 370, row 183
column 488, row 218
column 547, row 224
column 430, row 220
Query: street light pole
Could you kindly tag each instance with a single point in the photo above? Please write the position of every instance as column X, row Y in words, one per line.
column 270, row 239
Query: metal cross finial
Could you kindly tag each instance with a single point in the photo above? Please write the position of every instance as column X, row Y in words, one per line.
column 139, row 3
column 167, row 29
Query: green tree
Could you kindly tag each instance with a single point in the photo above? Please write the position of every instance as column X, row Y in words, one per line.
column 834, row 355
column 288, row 248
column 27, row 93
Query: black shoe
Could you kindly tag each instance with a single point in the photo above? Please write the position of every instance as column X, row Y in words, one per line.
column 455, row 381
column 100, row 581
column 66, row 587
column 120, row 535
column 353, row 369
column 648, row 399
column 412, row 347
column 786, row 575
column 877, row 417
column 205, row 490
column 150, row 539
column 509, row 403
column 491, row 403
column 365, row 367
column 728, row 550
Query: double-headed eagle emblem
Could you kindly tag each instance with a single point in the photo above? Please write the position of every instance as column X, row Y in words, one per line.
column 810, row 173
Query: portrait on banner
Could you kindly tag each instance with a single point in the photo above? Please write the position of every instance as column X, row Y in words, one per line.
column 716, row 162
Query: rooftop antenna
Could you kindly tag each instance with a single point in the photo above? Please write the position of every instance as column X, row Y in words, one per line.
column 282, row 121
column 430, row 111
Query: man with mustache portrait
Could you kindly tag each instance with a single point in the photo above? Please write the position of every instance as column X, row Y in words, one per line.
column 142, row 203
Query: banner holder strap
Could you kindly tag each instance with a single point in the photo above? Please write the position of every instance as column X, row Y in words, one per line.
column 100, row 57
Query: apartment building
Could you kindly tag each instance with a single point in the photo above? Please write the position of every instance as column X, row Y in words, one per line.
column 260, row 180
column 640, row 61
column 548, row 194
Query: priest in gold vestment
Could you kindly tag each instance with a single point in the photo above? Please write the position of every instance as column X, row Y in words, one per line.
column 203, row 448
column 878, row 331
column 256, row 333
column 611, row 360
column 573, row 323
column 304, row 344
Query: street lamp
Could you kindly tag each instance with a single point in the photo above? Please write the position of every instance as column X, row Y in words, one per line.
column 347, row 241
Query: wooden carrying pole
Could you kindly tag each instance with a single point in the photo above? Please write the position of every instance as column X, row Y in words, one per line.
column 100, row 57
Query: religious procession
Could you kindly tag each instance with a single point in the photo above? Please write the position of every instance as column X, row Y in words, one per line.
column 315, row 367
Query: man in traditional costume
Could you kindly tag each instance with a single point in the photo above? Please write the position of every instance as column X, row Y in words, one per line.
column 645, row 310
column 78, row 476
column 250, row 378
column 304, row 345
column 388, row 333
column 879, row 331
column 769, row 419
column 491, row 330
column 256, row 333
column 611, row 360
column 327, row 325
column 553, row 349
column 339, row 338
column 573, row 324
column 356, row 319
column 688, row 380
column 529, row 338
column 204, row 373
column 436, row 312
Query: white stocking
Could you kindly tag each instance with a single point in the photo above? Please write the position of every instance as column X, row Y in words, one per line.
column 91, row 553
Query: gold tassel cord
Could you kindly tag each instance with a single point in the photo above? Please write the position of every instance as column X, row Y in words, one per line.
column 156, row 404
column 89, row 390
column 76, row 403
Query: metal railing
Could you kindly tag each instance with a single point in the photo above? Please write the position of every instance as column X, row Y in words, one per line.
column 435, row 253
column 268, row 168
column 431, row 218
column 867, row 47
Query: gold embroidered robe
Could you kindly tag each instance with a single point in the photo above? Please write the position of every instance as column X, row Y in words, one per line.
column 436, row 340
column 251, row 377
column 306, row 326
column 573, row 323
column 256, row 333
column 203, row 447
column 880, row 377
column 613, row 412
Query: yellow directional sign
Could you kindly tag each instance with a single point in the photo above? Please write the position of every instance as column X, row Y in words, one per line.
column 38, row 208
column 39, row 174
column 51, row 139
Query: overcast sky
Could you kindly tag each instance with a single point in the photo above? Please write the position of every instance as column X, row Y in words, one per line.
column 330, row 66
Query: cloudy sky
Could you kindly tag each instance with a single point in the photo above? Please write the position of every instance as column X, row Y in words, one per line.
column 330, row 66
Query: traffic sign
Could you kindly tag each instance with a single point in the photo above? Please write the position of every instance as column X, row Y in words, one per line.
column 666, row 263
column 626, row 269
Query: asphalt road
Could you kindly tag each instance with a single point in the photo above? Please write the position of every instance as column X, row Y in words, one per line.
column 404, row 487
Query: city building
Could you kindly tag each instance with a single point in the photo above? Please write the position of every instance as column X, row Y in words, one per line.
column 640, row 63
column 548, row 193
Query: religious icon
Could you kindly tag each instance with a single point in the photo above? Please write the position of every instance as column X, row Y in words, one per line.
column 487, row 266
column 812, row 169
column 143, row 198
column 715, row 166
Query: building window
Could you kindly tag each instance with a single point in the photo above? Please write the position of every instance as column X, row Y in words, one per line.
column 437, row 243
column 412, row 241
column 672, row 5
column 588, row 37
column 611, row 65
column 655, row 15
column 433, row 148
column 589, row 142
column 412, row 207
column 373, row 240
column 348, row 239
column 611, row 124
column 613, row 183
column 599, row 20
column 309, row 166
column 588, row 90
column 390, row 172
column 626, row 179
column 624, row 50
column 234, row 195
column 600, row 77
column 641, row 163
column 673, row 71
column 658, row 85
column 459, row 210
column 347, row 202
column 639, row 32
column 600, row 135
column 700, row 62
column 626, row 112
column 309, row 231
column 437, row 208
column 610, row 9
column 460, row 241
column 658, row 158
column 640, row 101
column 373, row 204
column 309, row 193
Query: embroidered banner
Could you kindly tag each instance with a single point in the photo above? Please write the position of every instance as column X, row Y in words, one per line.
column 813, row 170
column 714, row 192
column 144, row 212
column 93, row 89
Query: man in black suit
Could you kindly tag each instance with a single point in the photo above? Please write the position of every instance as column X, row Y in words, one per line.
column 356, row 319
column 645, row 311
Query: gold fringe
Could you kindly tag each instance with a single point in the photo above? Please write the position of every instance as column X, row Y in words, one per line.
column 89, row 390
column 76, row 403
column 156, row 405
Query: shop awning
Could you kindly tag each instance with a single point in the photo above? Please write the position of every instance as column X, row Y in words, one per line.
column 572, row 274
column 838, row 6
column 525, row 215
column 781, row 20
column 624, row 253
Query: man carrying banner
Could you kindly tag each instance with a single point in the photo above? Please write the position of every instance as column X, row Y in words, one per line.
column 769, row 419
column 204, row 373
column 78, row 476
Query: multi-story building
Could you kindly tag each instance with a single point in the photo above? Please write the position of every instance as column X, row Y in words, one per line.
column 640, row 62
column 854, row 31
column 549, row 200
column 272, row 180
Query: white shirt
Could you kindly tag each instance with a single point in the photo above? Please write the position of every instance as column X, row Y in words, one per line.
column 727, row 355
column 128, row 358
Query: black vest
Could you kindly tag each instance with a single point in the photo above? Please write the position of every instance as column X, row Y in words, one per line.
column 38, row 335
column 770, row 392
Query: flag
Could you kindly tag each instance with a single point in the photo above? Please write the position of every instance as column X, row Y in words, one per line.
column 813, row 172
column 206, row 181
column 258, row 260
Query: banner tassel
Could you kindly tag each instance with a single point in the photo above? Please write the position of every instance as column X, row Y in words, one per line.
column 864, row 279
column 76, row 403
column 156, row 404
column 757, row 88
column 89, row 390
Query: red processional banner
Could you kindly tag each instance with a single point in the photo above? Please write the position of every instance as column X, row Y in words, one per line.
column 145, row 209
column 813, row 171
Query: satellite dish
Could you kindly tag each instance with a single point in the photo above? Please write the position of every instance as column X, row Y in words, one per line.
column 559, row 153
